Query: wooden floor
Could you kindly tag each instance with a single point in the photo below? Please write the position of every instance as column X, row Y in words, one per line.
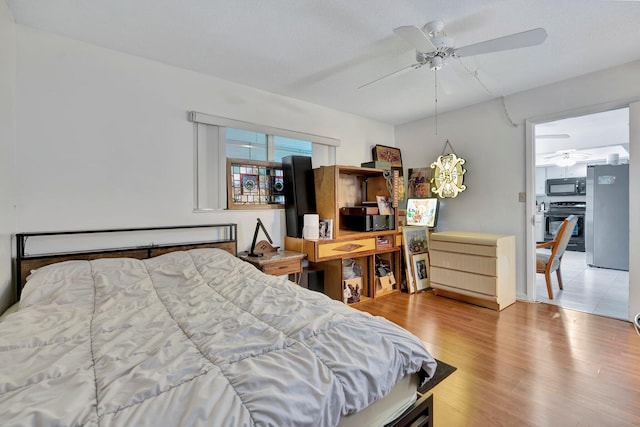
column 532, row 364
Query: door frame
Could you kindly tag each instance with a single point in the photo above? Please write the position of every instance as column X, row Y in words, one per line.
column 530, row 170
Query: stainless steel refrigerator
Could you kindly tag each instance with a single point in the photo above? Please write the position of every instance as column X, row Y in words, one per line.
column 607, row 216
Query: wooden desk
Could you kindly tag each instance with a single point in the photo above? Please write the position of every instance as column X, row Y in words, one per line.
column 277, row 263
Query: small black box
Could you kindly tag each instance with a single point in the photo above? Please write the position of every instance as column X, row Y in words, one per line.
column 368, row 222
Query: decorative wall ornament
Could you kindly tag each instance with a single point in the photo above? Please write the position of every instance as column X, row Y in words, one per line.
column 448, row 174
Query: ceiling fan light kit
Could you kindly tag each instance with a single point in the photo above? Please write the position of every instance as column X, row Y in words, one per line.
column 566, row 161
column 433, row 48
column 436, row 63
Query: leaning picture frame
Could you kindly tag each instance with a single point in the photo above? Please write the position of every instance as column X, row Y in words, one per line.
column 420, row 263
column 384, row 153
column 415, row 240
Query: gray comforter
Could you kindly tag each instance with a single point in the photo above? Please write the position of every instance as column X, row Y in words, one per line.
column 191, row 338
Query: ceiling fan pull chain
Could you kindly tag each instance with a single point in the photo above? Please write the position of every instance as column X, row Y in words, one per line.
column 435, row 98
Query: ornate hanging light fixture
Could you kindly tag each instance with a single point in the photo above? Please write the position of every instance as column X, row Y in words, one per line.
column 448, row 174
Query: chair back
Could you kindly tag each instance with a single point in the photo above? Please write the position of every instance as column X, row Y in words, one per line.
column 563, row 236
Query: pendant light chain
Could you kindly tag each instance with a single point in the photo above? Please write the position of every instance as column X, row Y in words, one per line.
column 435, row 90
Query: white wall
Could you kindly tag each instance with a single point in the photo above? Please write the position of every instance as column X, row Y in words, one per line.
column 104, row 141
column 7, row 150
column 495, row 150
column 634, row 208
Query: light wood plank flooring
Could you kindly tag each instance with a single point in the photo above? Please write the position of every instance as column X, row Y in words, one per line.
column 532, row 364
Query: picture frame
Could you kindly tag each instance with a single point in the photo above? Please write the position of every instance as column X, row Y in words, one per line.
column 384, row 153
column 423, row 212
column 420, row 263
column 325, row 229
column 384, row 205
column 419, row 183
column 415, row 240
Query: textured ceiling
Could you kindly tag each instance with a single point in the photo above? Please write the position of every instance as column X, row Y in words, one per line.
column 322, row 51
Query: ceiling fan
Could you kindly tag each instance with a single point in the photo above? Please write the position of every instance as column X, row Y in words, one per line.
column 433, row 48
column 567, row 157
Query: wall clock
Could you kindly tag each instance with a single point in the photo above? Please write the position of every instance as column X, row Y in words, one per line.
column 448, row 176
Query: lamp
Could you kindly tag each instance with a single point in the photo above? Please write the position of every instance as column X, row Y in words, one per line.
column 448, row 174
column 259, row 225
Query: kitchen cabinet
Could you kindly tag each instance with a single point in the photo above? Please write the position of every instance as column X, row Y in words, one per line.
column 553, row 172
column 541, row 179
column 539, row 233
column 577, row 170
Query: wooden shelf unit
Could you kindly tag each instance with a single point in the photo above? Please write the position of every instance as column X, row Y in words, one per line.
column 345, row 186
column 342, row 186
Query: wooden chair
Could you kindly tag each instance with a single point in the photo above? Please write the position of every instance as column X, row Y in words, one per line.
column 547, row 263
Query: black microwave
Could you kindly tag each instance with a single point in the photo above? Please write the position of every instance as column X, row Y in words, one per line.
column 567, row 186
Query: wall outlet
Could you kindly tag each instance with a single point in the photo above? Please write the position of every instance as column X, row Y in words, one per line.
column 522, row 196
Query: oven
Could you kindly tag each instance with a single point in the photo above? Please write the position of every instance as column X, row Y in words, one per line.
column 558, row 212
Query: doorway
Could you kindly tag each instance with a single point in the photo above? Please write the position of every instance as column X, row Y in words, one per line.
column 569, row 149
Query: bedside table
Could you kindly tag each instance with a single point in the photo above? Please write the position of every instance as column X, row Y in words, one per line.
column 277, row 263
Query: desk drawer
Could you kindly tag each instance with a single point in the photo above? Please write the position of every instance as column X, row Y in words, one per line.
column 282, row 267
column 347, row 247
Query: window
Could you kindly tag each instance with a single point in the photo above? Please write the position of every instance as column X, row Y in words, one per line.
column 244, row 144
column 219, row 138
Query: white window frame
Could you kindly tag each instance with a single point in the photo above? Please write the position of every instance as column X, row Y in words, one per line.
column 210, row 134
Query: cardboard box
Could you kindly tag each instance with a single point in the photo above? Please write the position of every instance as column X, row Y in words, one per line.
column 387, row 282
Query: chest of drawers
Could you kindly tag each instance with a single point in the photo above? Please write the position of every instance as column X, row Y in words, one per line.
column 474, row 267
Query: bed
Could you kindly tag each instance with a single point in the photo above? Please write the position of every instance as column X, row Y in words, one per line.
column 190, row 335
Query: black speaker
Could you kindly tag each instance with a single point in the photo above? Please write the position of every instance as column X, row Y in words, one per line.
column 299, row 192
column 313, row 279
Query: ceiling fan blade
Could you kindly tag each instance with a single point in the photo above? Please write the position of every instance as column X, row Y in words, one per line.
column 416, row 37
column 513, row 41
column 449, row 80
column 393, row 74
column 553, row 136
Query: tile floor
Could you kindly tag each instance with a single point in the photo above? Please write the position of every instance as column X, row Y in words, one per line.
column 589, row 289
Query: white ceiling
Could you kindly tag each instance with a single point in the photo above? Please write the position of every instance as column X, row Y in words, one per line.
column 590, row 138
column 321, row 51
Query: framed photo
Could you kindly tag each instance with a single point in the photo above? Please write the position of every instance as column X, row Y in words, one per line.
column 418, row 187
column 384, row 205
column 326, row 229
column 387, row 154
column 422, row 212
column 420, row 264
column 415, row 241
